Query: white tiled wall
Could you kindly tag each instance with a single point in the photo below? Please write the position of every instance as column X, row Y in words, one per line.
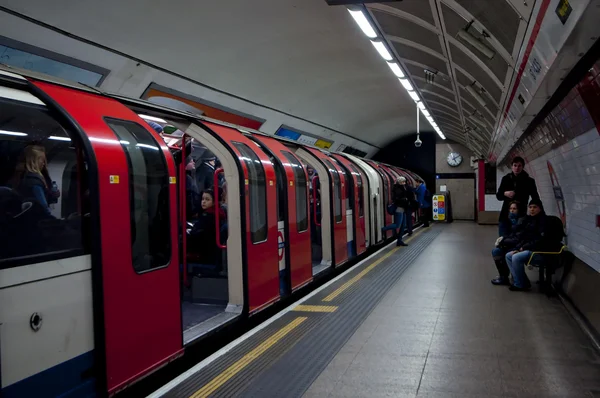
column 577, row 165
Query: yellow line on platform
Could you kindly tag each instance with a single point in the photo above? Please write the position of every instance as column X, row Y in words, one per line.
column 315, row 308
column 365, row 271
column 234, row 369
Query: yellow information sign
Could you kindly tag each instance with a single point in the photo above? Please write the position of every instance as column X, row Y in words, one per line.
column 439, row 207
column 323, row 144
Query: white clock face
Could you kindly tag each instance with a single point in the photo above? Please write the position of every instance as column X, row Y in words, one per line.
column 454, row 159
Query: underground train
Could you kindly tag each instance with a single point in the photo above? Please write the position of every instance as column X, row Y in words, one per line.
column 104, row 272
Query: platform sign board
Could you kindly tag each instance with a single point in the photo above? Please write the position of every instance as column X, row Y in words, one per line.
column 439, row 207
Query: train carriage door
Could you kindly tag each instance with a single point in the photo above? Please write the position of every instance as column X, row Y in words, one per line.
column 256, row 218
column 337, row 233
column 349, row 204
column 297, row 247
column 357, row 198
column 386, row 192
column 136, row 288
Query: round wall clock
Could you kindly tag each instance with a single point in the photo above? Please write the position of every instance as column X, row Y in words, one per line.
column 454, row 159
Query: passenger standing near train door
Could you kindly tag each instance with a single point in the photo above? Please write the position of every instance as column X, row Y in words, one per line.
column 424, row 199
column 515, row 186
column 400, row 200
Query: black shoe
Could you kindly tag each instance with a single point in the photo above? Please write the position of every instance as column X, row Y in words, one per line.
column 401, row 244
column 514, row 288
column 500, row 280
column 410, row 233
column 425, row 225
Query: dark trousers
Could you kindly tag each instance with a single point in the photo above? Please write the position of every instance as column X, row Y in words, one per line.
column 499, row 259
column 409, row 221
column 426, row 211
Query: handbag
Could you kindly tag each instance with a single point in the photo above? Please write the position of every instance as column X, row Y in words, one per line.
column 391, row 209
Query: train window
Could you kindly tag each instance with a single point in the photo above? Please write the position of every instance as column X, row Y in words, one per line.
column 44, row 214
column 337, row 192
column 361, row 207
column 257, row 188
column 349, row 182
column 148, row 196
column 301, row 184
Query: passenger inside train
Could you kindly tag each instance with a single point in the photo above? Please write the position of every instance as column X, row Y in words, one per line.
column 42, row 177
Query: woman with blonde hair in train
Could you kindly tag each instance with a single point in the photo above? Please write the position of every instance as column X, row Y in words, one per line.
column 32, row 179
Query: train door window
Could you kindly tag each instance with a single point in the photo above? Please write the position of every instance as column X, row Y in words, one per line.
column 257, row 188
column 361, row 208
column 349, row 184
column 148, row 196
column 337, row 192
column 301, row 203
column 42, row 177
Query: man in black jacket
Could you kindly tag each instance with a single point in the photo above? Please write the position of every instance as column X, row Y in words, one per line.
column 515, row 186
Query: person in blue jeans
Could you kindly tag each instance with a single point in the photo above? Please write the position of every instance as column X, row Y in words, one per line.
column 506, row 244
column 532, row 231
column 400, row 200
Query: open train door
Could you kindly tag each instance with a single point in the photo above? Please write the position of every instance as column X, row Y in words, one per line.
column 135, row 263
column 252, row 249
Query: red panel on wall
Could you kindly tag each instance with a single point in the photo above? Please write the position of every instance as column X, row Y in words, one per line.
column 209, row 111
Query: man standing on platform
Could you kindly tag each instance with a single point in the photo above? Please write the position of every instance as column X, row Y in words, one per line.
column 515, row 186
column 424, row 199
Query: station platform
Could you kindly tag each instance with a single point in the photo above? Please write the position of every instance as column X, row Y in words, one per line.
column 416, row 321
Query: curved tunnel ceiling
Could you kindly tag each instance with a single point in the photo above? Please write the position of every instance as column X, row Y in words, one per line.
column 309, row 59
column 302, row 57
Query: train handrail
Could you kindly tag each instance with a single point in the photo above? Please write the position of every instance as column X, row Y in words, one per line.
column 218, row 208
column 314, row 191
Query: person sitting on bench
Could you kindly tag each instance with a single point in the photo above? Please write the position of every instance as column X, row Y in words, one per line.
column 532, row 231
column 507, row 243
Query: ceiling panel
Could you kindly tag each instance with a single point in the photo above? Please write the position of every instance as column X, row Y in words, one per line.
column 401, row 27
column 419, row 8
column 482, row 77
column 497, row 16
column 412, row 53
column 455, row 23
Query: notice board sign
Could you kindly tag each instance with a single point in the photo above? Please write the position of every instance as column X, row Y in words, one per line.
column 439, row 207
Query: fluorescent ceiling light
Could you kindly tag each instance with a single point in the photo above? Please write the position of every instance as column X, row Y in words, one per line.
column 13, row 133
column 396, row 69
column 382, row 50
column 421, row 106
column 475, row 42
column 425, row 112
column 406, row 84
column 363, row 23
column 57, row 138
column 476, row 95
column 413, row 95
column 154, row 119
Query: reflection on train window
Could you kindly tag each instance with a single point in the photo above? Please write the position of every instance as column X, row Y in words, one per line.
column 337, row 192
column 301, row 202
column 361, row 209
column 43, row 214
column 257, row 188
column 148, row 195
